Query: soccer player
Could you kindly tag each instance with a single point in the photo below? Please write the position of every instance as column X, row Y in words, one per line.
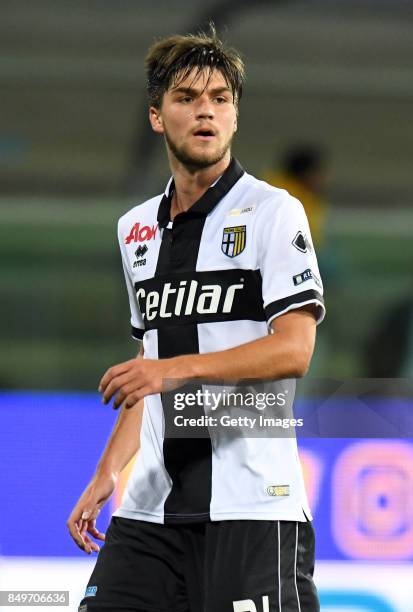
column 223, row 284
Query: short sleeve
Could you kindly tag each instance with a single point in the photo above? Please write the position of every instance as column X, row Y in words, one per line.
column 287, row 260
column 138, row 328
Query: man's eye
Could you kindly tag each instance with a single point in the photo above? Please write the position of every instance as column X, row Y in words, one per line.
column 185, row 99
column 220, row 99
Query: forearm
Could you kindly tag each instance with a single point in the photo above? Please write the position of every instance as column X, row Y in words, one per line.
column 124, row 440
column 284, row 354
column 258, row 359
column 123, row 443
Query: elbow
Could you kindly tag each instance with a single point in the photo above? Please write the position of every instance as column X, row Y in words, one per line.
column 300, row 362
column 300, row 370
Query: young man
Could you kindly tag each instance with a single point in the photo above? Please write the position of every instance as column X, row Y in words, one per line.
column 223, row 284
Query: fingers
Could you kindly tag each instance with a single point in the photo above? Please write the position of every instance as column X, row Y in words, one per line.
column 124, row 383
column 116, row 384
column 86, row 526
column 82, row 541
column 124, row 392
column 75, row 533
column 131, row 394
column 134, row 398
column 96, row 533
column 78, row 531
column 90, row 545
column 79, row 523
column 130, row 382
column 90, row 526
column 113, row 372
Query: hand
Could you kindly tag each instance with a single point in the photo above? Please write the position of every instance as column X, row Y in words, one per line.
column 132, row 380
column 82, row 520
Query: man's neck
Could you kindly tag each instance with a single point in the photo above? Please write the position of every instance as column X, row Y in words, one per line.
column 191, row 185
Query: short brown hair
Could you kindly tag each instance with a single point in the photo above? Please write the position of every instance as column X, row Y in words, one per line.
column 171, row 60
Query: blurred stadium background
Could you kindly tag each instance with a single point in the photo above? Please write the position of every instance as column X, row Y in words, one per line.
column 76, row 152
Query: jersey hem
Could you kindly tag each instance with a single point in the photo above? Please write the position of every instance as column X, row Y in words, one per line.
column 302, row 516
column 139, row 515
column 299, row 305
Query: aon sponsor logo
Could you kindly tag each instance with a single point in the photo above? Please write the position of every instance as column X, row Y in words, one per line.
column 140, row 233
column 247, row 605
column 186, row 298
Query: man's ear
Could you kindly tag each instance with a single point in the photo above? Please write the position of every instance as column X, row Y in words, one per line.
column 155, row 119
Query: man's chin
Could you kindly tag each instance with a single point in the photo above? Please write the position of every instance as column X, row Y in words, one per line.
column 197, row 161
column 202, row 161
column 197, row 158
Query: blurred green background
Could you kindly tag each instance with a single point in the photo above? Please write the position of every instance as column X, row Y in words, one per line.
column 76, row 153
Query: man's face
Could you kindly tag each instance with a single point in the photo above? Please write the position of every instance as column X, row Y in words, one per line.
column 198, row 119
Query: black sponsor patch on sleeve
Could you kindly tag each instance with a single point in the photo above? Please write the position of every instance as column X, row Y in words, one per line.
column 304, row 276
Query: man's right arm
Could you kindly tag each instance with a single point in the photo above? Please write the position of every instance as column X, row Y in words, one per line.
column 121, row 447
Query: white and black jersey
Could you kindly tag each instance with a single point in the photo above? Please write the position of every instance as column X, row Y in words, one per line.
column 212, row 279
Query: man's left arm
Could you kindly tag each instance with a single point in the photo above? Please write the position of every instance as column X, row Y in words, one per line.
column 285, row 353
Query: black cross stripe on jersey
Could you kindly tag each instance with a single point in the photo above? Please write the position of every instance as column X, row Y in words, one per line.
column 187, row 460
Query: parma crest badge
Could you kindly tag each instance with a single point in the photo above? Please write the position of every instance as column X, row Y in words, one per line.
column 234, row 240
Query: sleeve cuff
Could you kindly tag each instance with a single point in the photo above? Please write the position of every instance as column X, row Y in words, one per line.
column 279, row 307
column 137, row 334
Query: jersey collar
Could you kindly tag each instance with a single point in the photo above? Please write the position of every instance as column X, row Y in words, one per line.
column 208, row 201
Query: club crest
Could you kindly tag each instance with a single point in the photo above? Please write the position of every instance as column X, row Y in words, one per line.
column 234, row 240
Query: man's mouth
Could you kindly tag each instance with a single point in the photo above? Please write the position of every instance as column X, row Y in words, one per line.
column 204, row 134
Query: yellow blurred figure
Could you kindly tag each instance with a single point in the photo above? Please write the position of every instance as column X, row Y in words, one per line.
column 302, row 172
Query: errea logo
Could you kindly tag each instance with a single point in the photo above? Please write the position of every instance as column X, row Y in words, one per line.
column 141, row 250
column 139, row 253
column 141, row 234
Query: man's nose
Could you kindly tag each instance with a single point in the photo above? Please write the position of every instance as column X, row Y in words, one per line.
column 204, row 108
